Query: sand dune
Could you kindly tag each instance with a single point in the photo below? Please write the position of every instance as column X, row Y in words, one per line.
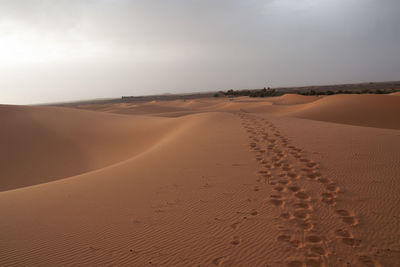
column 41, row 144
column 204, row 182
column 135, row 108
column 366, row 110
column 293, row 99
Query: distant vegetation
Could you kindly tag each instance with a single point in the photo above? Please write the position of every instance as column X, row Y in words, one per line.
column 252, row 93
column 366, row 91
column 362, row 88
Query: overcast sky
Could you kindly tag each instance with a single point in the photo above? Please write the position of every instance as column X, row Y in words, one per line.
column 61, row 50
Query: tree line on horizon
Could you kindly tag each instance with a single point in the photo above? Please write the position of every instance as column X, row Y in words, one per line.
column 268, row 92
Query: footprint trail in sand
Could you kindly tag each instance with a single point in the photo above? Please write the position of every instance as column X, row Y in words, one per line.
column 292, row 175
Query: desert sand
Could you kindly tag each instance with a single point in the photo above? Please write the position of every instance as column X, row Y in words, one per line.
column 282, row 181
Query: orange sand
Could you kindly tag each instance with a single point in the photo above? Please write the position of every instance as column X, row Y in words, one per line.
column 285, row 181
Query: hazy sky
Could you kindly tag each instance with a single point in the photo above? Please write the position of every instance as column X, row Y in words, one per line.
column 58, row 50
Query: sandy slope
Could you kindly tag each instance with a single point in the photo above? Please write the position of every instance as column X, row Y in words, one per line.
column 366, row 110
column 228, row 182
column 40, row 144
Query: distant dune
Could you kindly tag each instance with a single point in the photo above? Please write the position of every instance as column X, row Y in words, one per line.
column 365, row 110
column 283, row 181
column 293, row 99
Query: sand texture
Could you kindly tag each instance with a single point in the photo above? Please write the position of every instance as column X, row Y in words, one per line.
column 283, row 181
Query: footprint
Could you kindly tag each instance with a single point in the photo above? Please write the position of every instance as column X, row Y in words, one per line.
column 277, row 164
column 286, row 215
column 292, row 175
column 329, row 201
column 253, row 212
column 275, row 159
column 279, row 188
column 283, row 174
column 320, row 251
column 329, row 198
column 307, row 226
column 276, row 202
column 235, row 225
column 327, row 195
column 313, row 239
column 301, row 214
column 351, row 241
column 302, row 195
column 267, row 176
column 311, row 164
column 220, row 260
column 302, row 205
column 268, row 166
column 317, row 174
column 314, row 262
column 284, row 238
column 296, row 243
column 367, row 261
column 343, row 212
column 235, row 241
column 307, row 170
column 312, row 176
column 350, row 220
column 295, row 263
column 332, row 188
column 342, row 233
column 324, row 180
column 294, row 188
